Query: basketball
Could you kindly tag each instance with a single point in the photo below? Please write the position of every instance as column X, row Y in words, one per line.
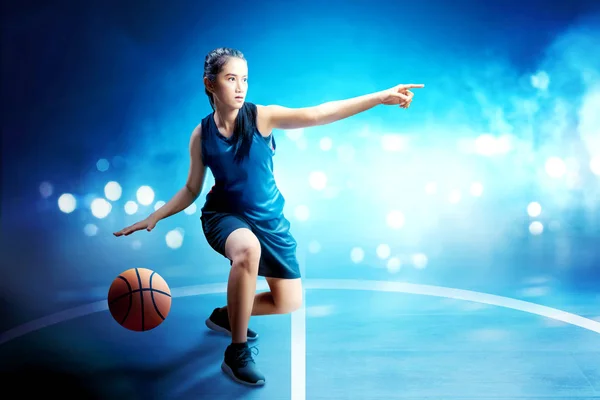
column 139, row 299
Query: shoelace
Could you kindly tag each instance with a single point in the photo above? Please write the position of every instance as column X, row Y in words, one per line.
column 244, row 356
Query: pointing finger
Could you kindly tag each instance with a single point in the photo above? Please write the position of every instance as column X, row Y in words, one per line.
column 413, row 86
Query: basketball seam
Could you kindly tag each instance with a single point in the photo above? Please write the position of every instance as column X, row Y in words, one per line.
column 130, row 299
column 152, row 297
column 141, row 297
column 138, row 290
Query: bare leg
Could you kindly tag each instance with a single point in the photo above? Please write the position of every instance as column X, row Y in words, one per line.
column 243, row 249
column 285, row 297
column 263, row 304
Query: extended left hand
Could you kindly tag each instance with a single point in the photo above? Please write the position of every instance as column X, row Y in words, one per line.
column 399, row 95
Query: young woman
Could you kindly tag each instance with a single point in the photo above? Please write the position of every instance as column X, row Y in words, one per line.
column 243, row 216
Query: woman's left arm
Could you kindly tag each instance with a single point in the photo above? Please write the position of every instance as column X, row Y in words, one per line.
column 278, row 117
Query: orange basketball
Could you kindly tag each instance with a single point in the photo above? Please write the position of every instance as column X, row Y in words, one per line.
column 139, row 299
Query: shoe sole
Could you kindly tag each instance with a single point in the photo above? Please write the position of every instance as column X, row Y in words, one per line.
column 230, row 373
column 214, row 327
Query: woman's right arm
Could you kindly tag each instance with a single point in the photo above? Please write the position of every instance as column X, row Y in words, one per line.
column 185, row 196
column 193, row 186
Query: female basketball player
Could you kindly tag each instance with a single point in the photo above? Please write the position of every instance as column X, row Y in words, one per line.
column 243, row 216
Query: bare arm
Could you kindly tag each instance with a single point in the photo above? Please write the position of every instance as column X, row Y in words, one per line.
column 278, row 117
column 190, row 192
column 184, row 197
column 333, row 111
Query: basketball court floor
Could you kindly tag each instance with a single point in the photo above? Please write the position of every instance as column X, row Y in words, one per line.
column 352, row 339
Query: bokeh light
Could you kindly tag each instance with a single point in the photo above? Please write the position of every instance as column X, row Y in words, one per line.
column 67, row 203
column 145, row 195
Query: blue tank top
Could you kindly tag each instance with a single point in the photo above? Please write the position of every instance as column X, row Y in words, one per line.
column 247, row 188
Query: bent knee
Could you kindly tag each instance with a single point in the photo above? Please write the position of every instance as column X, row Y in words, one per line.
column 247, row 257
column 243, row 249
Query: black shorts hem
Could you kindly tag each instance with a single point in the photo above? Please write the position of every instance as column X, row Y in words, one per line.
column 278, row 247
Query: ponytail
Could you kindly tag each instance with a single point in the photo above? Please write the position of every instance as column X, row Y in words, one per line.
column 243, row 132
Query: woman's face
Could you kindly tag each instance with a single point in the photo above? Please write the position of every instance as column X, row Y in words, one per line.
column 231, row 85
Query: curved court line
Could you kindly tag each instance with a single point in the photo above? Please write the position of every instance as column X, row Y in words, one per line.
column 328, row 284
column 458, row 294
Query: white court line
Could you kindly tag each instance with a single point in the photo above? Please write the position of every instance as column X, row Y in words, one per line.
column 52, row 319
column 326, row 284
column 299, row 320
column 298, row 342
column 298, row 372
column 458, row 294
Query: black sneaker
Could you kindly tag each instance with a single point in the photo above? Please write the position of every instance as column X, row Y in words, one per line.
column 240, row 365
column 219, row 322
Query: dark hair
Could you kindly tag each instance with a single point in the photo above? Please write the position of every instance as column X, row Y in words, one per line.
column 245, row 122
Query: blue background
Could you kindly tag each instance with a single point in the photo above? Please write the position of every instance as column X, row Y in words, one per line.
column 94, row 92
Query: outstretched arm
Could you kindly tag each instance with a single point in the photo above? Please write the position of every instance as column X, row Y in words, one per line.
column 278, row 117
column 184, row 197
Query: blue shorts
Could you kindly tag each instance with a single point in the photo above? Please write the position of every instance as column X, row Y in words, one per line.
column 278, row 246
